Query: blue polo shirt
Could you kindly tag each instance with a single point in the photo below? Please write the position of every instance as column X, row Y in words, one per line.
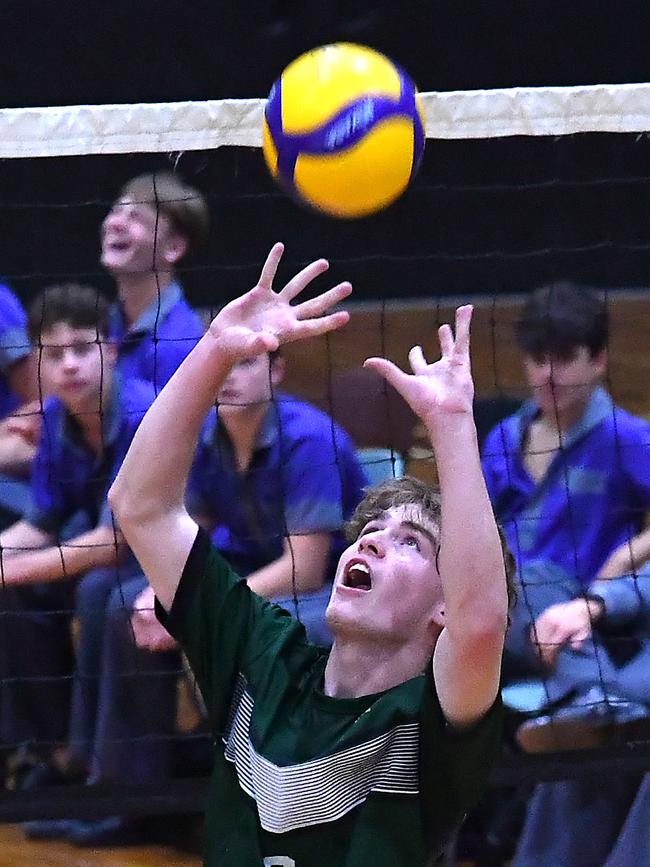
column 67, row 476
column 593, row 497
column 157, row 343
column 304, row 477
column 14, row 345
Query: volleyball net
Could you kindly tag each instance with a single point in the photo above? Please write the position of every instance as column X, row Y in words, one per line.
column 518, row 187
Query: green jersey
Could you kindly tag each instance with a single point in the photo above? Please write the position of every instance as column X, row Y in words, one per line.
column 302, row 779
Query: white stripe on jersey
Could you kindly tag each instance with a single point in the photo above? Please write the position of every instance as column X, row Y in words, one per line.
column 325, row 789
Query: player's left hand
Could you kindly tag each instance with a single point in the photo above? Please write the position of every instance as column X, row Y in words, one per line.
column 262, row 319
column 444, row 387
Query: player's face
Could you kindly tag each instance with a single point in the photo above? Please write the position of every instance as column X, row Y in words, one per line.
column 560, row 384
column 387, row 583
column 137, row 239
column 75, row 367
column 249, row 384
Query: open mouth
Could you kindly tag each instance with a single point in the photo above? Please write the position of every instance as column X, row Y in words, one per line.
column 357, row 576
column 115, row 244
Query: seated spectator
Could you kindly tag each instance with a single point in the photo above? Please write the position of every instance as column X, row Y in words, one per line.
column 156, row 221
column 569, row 478
column 370, row 753
column 569, row 473
column 19, row 409
column 274, row 482
column 88, row 423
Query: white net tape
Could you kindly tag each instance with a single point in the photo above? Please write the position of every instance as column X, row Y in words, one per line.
column 184, row 126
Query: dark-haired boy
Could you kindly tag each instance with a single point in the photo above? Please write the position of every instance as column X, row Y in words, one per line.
column 370, row 753
column 87, row 426
column 569, row 473
column 569, row 479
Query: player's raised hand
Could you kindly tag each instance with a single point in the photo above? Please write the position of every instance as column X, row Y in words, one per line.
column 443, row 387
column 262, row 319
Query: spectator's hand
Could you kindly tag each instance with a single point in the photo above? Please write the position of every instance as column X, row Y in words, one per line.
column 565, row 623
column 262, row 320
column 148, row 632
column 442, row 388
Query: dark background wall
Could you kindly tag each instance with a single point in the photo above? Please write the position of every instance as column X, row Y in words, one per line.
column 483, row 216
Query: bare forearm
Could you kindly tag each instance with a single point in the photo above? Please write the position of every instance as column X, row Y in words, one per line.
column 280, row 578
column 98, row 548
column 301, row 568
column 628, row 557
column 471, row 558
column 155, row 470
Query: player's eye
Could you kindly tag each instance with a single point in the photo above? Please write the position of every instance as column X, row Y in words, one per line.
column 411, row 541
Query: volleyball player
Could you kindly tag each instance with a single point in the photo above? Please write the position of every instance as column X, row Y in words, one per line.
column 373, row 752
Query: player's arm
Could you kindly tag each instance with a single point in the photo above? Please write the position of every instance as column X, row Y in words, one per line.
column 467, row 658
column 301, row 566
column 148, row 495
column 94, row 549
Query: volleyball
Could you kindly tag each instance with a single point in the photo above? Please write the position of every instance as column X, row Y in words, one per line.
column 343, row 130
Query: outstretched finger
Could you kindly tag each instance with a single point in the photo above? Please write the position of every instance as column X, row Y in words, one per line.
column 303, row 278
column 322, row 303
column 271, row 266
column 417, row 360
column 318, row 326
column 463, row 320
column 446, row 340
column 391, row 372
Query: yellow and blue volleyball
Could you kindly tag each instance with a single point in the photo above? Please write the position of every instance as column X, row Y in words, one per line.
column 343, row 130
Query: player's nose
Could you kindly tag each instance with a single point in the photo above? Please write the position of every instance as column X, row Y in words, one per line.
column 372, row 543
